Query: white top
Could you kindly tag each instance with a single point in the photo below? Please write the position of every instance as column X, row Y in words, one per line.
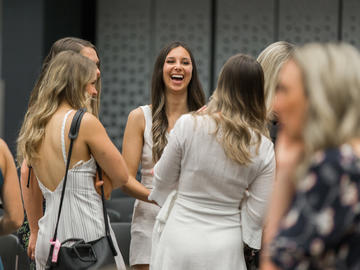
column 81, row 214
column 144, row 214
column 147, row 163
column 204, row 223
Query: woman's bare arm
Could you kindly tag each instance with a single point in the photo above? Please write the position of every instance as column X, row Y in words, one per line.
column 13, row 210
column 33, row 204
column 132, row 149
column 104, row 151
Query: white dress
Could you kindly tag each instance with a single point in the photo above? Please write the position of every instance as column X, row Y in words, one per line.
column 144, row 213
column 219, row 204
column 81, row 215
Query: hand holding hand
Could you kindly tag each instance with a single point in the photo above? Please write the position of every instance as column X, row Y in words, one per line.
column 105, row 182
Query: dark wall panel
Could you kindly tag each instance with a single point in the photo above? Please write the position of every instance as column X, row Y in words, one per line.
column 191, row 24
column 308, row 21
column 22, row 47
column 123, row 39
column 351, row 22
column 242, row 27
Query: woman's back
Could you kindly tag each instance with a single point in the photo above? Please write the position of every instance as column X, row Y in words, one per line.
column 205, row 227
column 50, row 168
column 82, row 209
column 207, row 174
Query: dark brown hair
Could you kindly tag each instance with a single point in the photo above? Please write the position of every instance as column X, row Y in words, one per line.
column 195, row 97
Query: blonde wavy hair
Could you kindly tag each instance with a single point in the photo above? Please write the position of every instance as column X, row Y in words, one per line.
column 272, row 59
column 238, row 107
column 65, row 79
column 65, row 44
column 331, row 77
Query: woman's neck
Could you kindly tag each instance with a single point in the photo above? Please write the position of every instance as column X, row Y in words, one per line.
column 176, row 104
column 64, row 105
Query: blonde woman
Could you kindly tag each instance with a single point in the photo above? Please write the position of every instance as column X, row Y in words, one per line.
column 28, row 231
column 69, row 84
column 271, row 60
column 317, row 102
column 213, row 157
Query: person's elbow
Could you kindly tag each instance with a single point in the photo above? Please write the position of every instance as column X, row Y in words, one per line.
column 122, row 180
column 17, row 220
column 11, row 223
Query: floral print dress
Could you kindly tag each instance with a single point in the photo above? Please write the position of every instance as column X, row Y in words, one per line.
column 322, row 227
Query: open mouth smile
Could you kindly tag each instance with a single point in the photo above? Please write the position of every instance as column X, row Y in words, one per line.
column 177, row 77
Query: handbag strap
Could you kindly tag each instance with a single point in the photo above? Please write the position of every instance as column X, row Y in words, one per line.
column 107, row 227
column 73, row 133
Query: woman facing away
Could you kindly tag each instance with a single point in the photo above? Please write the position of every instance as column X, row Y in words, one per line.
column 317, row 102
column 68, row 85
column 31, row 192
column 175, row 90
column 10, row 196
column 214, row 157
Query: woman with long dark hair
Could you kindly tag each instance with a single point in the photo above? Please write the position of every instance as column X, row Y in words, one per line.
column 175, row 90
column 212, row 159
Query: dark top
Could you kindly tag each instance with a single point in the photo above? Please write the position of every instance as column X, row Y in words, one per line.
column 322, row 228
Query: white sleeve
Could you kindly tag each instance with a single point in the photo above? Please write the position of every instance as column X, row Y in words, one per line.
column 254, row 206
column 167, row 169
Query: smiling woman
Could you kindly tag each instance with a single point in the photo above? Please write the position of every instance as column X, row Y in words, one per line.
column 175, row 90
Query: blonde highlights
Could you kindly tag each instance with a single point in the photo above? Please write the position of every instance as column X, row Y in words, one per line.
column 272, row 59
column 65, row 79
column 331, row 77
column 238, row 107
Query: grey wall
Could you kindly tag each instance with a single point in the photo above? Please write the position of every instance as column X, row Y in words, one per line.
column 22, row 47
column 28, row 30
column 130, row 34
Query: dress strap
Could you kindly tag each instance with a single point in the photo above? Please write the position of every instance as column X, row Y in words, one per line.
column 147, row 114
column 148, row 119
column 63, row 136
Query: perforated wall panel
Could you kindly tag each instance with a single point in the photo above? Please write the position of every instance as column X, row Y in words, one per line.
column 351, row 22
column 242, row 27
column 187, row 21
column 123, row 40
column 308, row 20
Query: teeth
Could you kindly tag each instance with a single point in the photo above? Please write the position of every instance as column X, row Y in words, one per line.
column 177, row 76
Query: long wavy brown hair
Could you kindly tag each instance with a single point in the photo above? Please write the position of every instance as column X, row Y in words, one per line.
column 65, row 79
column 238, row 107
column 195, row 98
